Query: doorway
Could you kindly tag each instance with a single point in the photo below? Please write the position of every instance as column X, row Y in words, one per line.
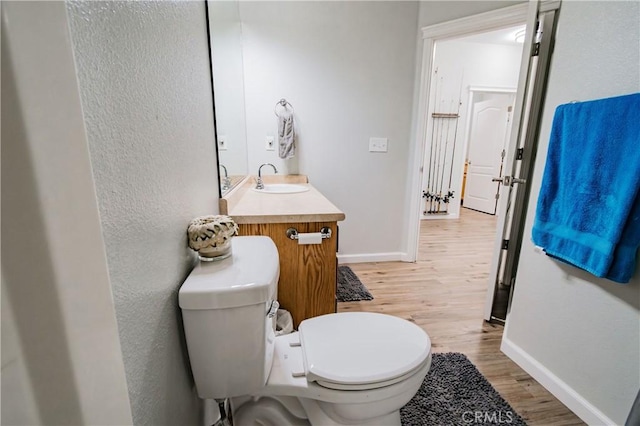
column 467, row 71
column 468, row 122
column 541, row 19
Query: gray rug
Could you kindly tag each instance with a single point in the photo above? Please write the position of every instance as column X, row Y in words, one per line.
column 350, row 289
column 455, row 393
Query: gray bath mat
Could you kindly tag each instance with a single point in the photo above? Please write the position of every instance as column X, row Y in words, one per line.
column 455, row 393
column 350, row 289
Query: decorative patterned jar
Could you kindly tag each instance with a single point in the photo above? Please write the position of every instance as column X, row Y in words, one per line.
column 210, row 236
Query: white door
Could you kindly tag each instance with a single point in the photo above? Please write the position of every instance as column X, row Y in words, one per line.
column 487, row 137
column 521, row 153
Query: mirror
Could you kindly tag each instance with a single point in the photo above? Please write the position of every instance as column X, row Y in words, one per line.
column 225, row 33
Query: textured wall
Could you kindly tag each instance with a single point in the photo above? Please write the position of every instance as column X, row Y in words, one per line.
column 583, row 329
column 146, row 94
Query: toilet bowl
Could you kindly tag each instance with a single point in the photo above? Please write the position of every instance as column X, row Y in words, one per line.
column 363, row 371
column 338, row 369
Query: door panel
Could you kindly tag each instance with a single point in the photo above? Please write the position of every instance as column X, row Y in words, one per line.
column 486, row 141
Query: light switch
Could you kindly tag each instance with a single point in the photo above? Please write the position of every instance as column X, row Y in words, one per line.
column 223, row 144
column 269, row 143
column 378, row 144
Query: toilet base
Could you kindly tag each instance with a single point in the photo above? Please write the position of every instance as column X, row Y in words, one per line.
column 269, row 411
column 288, row 411
column 318, row 416
column 290, row 399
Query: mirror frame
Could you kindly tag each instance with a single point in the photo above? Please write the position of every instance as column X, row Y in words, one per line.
column 213, row 98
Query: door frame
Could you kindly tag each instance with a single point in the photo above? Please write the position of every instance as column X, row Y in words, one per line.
column 492, row 20
column 524, row 136
column 473, row 90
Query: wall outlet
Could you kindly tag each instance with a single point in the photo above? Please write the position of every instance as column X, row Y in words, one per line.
column 269, row 143
column 223, row 144
column 378, row 144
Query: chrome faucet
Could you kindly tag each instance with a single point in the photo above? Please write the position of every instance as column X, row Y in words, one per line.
column 226, row 182
column 259, row 184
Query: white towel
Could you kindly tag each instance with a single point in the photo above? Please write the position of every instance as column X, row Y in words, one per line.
column 286, row 135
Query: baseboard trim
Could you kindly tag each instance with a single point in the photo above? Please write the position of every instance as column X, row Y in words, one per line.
column 561, row 390
column 372, row 257
column 440, row 217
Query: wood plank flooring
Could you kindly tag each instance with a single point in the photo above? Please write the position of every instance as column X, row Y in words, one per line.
column 444, row 293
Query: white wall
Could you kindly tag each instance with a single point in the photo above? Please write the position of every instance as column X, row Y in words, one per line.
column 347, row 69
column 228, row 82
column 146, row 94
column 578, row 334
column 61, row 356
column 434, row 12
column 461, row 65
column 19, row 402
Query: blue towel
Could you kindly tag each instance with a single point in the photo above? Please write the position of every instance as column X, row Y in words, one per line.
column 588, row 211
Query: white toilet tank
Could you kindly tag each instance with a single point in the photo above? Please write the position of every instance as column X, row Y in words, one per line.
column 225, row 310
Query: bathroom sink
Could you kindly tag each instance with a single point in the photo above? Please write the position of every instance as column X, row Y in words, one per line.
column 282, row 188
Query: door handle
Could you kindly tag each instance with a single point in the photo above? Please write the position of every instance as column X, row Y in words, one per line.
column 508, row 180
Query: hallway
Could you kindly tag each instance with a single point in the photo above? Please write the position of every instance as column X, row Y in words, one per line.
column 444, row 292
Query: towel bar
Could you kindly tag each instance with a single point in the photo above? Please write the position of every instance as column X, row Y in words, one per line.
column 292, row 233
column 283, row 103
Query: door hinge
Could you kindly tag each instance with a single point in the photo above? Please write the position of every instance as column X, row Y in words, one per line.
column 505, row 244
column 536, row 49
column 497, row 195
column 520, row 154
column 503, row 154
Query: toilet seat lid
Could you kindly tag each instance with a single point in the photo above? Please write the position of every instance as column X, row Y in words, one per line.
column 358, row 348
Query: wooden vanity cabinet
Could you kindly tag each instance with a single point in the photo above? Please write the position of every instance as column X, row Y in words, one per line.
column 308, row 273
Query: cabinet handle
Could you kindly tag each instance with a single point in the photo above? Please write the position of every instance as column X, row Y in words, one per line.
column 292, row 233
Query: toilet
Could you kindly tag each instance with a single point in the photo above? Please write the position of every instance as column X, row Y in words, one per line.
column 353, row 368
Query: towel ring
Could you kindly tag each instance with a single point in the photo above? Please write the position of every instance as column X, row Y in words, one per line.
column 283, row 103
